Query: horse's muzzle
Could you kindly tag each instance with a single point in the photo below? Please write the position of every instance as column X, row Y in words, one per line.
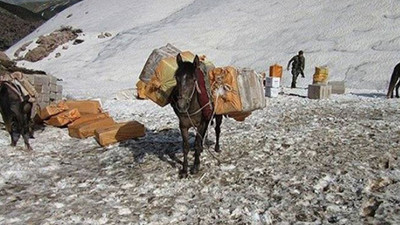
column 182, row 105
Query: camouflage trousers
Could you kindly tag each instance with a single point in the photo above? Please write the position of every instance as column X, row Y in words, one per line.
column 295, row 74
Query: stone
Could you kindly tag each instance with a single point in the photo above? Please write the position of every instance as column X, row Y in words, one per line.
column 338, row 87
column 319, row 91
column 272, row 82
column 271, row 92
column 369, row 207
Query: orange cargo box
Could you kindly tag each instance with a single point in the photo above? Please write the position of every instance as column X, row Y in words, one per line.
column 87, row 117
column 239, row 116
column 275, row 70
column 225, row 92
column 87, row 128
column 119, row 132
column 52, row 110
column 85, row 106
column 320, row 78
column 64, row 118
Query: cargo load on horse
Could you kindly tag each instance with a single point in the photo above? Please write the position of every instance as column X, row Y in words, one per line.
column 230, row 90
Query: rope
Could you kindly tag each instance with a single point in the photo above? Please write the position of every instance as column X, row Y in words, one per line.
column 226, row 87
column 199, row 110
column 203, row 139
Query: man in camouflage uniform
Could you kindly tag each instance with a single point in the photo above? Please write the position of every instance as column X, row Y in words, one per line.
column 298, row 62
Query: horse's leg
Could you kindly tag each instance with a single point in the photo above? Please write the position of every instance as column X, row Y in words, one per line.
column 26, row 133
column 199, row 146
column 218, row 119
column 14, row 131
column 393, row 80
column 26, row 140
column 31, row 128
column 397, row 88
column 185, row 146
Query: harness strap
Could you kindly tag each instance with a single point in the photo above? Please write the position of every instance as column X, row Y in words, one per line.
column 203, row 97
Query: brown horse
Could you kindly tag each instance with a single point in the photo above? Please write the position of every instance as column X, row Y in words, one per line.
column 394, row 82
column 16, row 112
column 185, row 102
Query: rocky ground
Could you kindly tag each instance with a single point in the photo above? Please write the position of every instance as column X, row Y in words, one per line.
column 298, row 161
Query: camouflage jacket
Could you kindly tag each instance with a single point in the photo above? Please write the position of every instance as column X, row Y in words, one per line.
column 297, row 62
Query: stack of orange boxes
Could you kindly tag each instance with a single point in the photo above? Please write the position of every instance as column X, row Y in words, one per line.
column 85, row 118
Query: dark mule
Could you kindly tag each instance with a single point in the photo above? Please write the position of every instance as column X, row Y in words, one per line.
column 394, row 82
column 185, row 102
column 16, row 113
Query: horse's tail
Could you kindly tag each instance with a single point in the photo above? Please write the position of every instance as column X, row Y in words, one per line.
column 23, row 116
column 26, row 106
column 393, row 80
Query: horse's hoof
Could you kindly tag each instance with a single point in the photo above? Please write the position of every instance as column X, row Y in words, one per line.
column 217, row 149
column 194, row 170
column 183, row 174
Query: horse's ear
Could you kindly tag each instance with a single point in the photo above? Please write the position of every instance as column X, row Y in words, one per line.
column 196, row 61
column 179, row 60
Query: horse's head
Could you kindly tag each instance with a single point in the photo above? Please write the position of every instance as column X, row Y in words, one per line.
column 186, row 82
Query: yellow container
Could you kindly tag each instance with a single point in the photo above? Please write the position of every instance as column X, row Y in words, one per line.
column 321, row 75
column 320, row 78
column 159, row 88
column 321, row 70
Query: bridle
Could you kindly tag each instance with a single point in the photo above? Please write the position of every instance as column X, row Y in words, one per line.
column 187, row 100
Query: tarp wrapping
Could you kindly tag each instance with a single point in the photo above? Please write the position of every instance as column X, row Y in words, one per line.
column 236, row 91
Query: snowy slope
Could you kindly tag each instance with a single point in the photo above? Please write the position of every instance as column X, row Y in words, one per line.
column 297, row 161
column 357, row 40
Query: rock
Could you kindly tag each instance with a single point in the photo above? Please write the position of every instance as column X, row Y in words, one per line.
column 5, row 61
column 101, row 36
column 36, row 54
column 124, row 211
column 4, row 57
column 78, row 41
column 48, row 43
column 107, row 34
column 377, row 184
column 323, row 184
column 58, row 54
column 369, row 207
